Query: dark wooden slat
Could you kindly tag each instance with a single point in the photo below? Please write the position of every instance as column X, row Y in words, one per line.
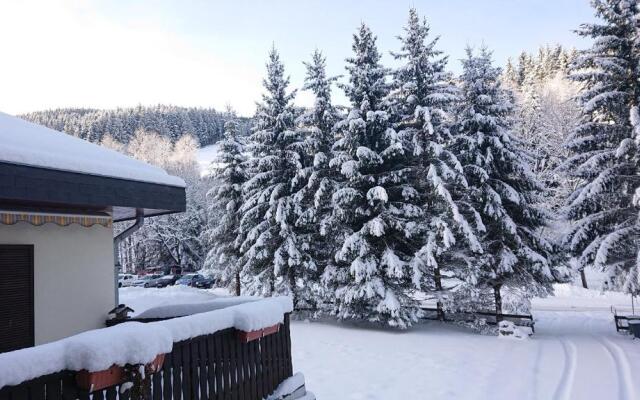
column 287, row 334
column 156, row 386
column 4, row 394
column 99, row 395
column 251, row 364
column 226, row 367
column 83, row 395
column 53, row 390
column 194, row 345
column 167, row 387
column 202, row 366
column 69, row 389
column 262, row 384
column 186, row 371
column 211, row 366
column 36, row 389
column 219, row 368
column 20, row 392
column 278, row 339
column 246, row 370
column 274, row 362
column 177, row 371
column 112, row 393
column 239, row 369
column 268, row 357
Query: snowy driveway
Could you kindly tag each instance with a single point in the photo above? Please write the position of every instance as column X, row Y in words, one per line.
column 574, row 355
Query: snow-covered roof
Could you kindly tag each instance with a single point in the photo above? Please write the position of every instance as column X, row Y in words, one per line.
column 26, row 143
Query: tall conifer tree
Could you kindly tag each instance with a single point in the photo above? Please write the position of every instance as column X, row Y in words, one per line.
column 604, row 147
column 421, row 100
column 272, row 255
column 225, row 198
column 503, row 190
column 376, row 204
column 314, row 209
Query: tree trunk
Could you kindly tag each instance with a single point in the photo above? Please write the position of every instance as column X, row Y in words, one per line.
column 238, row 283
column 584, row 279
column 437, row 278
column 294, row 292
column 498, row 300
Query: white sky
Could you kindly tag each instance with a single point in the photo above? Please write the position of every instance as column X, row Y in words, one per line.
column 104, row 53
column 64, row 55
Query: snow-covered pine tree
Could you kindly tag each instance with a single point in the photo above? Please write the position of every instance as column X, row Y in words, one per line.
column 225, row 200
column 604, row 231
column 421, row 99
column 313, row 204
column 376, row 205
column 272, row 256
column 503, row 190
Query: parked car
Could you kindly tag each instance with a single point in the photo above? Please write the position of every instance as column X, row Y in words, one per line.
column 164, row 281
column 144, row 281
column 125, row 280
column 195, row 280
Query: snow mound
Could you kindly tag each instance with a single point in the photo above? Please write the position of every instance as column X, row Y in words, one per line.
column 509, row 330
column 292, row 388
column 26, row 143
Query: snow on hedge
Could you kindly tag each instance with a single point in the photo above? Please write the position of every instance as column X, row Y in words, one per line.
column 135, row 342
column 30, row 144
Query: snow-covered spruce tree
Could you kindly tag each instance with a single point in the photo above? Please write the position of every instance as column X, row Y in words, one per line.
column 515, row 256
column 421, row 99
column 604, row 231
column 375, row 205
column 313, row 204
column 271, row 253
column 225, row 200
column 546, row 112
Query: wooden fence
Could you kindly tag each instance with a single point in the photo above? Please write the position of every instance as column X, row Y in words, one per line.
column 491, row 317
column 217, row 366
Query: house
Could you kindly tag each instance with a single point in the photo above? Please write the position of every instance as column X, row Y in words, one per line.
column 59, row 198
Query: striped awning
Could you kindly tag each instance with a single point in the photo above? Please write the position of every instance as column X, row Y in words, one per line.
column 38, row 218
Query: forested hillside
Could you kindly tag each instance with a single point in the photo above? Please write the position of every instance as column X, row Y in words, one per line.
column 205, row 124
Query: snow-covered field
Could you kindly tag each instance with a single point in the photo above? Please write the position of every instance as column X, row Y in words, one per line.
column 575, row 354
column 205, row 156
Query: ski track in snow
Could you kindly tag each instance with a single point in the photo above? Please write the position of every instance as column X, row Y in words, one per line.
column 625, row 382
column 565, row 386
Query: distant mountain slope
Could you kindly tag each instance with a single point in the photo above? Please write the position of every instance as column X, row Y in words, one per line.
column 171, row 121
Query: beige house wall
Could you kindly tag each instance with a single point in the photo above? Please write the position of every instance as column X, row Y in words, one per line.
column 73, row 276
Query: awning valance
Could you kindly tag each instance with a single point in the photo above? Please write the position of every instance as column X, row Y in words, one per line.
column 38, row 218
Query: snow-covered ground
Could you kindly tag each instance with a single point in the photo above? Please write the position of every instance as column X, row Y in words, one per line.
column 575, row 354
column 206, row 155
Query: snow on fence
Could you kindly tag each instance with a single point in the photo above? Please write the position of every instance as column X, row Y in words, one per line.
column 205, row 357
